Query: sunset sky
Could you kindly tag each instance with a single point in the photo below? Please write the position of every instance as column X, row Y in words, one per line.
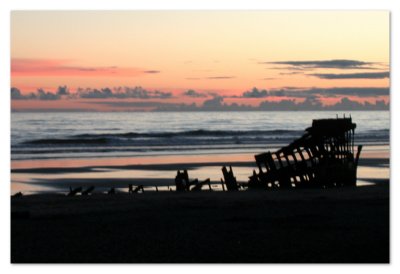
column 97, row 60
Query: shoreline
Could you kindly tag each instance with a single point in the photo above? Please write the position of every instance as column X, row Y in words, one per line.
column 369, row 162
column 371, row 170
column 56, row 176
column 369, row 151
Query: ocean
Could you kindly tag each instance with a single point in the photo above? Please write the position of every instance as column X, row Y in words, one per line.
column 36, row 136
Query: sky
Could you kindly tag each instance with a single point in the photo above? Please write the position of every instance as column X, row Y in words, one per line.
column 199, row 60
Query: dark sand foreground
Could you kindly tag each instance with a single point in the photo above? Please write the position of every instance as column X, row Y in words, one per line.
column 347, row 225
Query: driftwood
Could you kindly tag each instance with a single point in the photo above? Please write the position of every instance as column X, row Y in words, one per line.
column 183, row 183
column 136, row 189
column 322, row 157
column 111, row 191
column 230, row 179
column 223, row 184
column 199, row 185
column 88, row 191
column 73, row 192
column 18, row 194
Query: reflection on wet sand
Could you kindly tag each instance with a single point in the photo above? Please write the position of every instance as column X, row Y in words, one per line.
column 56, row 176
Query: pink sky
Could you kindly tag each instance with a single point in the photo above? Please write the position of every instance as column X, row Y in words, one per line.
column 213, row 53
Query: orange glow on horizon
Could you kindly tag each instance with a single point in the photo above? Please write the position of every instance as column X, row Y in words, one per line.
column 215, row 53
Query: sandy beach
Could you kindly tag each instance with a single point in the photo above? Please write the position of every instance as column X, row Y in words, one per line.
column 338, row 225
column 346, row 225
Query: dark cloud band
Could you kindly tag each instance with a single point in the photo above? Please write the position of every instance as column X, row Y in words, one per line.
column 372, row 75
column 90, row 93
column 220, row 77
column 307, row 93
column 335, row 64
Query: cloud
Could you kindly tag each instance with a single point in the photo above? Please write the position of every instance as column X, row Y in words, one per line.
column 94, row 93
column 161, row 94
column 57, row 109
column 213, row 103
column 336, row 64
column 62, row 90
column 220, row 77
column 315, row 104
column 353, row 91
column 255, row 93
column 211, row 78
column 122, row 92
column 40, row 94
column 299, row 70
column 194, row 94
column 16, row 94
column 47, row 95
column 151, row 71
column 25, row 67
column 347, row 104
column 217, row 104
column 281, row 105
column 122, row 104
column 287, row 93
column 269, row 78
column 313, row 101
column 90, row 93
column 150, row 106
column 310, row 93
column 291, row 73
column 371, row 75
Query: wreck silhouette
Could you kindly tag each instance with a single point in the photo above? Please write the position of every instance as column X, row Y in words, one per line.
column 322, row 157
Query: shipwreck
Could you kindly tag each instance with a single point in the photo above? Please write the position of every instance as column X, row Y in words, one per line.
column 323, row 157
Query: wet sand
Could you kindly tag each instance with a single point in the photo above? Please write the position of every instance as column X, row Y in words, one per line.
column 345, row 225
column 32, row 177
